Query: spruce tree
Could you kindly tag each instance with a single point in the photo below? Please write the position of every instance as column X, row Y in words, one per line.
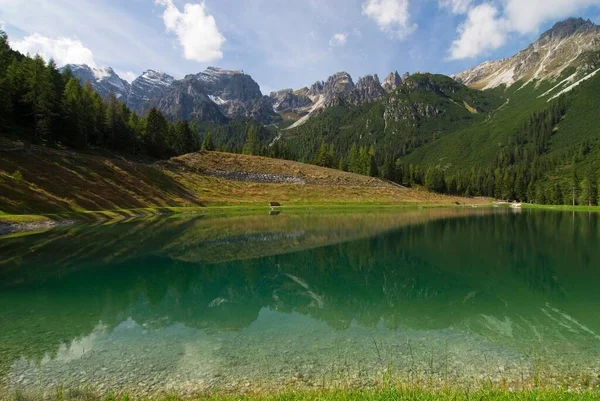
column 575, row 184
column 207, row 144
column 590, row 188
column 252, row 145
column 155, row 133
column 353, row 159
column 321, row 155
column 73, row 109
column 39, row 96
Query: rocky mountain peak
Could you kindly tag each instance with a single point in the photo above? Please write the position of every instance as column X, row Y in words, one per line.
column 336, row 88
column 229, row 84
column 147, row 86
column 287, row 99
column 564, row 45
column 392, row 81
column 340, row 81
column 368, row 89
column 569, row 27
column 214, row 75
column 156, row 76
column 103, row 80
column 316, row 89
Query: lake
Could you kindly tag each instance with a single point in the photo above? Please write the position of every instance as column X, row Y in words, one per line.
column 437, row 296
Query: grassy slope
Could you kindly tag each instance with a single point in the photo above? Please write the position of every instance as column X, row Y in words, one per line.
column 43, row 181
column 478, row 145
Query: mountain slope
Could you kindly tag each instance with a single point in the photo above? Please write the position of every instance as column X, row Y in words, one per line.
column 186, row 100
column 420, row 109
column 563, row 61
column 65, row 182
column 147, row 86
column 234, row 94
column 554, row 52
column 557, row 172
column 103, row 80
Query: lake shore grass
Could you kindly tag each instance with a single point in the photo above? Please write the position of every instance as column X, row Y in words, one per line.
column 383, row 394
column 563, row 208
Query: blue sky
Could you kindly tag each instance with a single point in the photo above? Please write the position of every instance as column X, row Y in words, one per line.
column 283, row 43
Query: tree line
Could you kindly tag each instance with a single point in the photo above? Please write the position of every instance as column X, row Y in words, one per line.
column 520, row 172
column 42, row 105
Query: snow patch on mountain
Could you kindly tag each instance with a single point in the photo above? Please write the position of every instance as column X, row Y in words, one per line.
column 546, row 59
column 217, row 100
column 316, row 108
column 573, row 86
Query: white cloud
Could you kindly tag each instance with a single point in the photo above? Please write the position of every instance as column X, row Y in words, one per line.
column 339, row 39
column 484, row 30
column 128, row 76
column 391, row 16
column 62, row 50
column 196, row 31
column 456, row 6
column 527, row 16
column 2, row 25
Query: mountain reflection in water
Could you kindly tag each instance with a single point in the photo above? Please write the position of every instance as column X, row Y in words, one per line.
column 218, row 301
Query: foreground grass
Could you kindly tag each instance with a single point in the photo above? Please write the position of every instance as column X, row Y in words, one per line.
column 398, row 394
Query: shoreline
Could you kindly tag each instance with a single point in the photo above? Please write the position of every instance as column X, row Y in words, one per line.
column 14, row 224
column 383, row 390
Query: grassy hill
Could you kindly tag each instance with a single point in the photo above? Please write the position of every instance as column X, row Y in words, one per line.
column 45, row 181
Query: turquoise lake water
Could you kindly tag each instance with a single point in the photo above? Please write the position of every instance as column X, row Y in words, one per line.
column 460, row 297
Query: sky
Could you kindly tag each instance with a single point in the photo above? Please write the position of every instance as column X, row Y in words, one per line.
column 282, row 43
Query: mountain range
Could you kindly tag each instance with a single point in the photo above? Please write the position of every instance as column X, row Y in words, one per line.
column 501, row 114
column 217, row 95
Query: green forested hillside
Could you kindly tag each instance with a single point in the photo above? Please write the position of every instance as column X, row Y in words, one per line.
column 566, row 160
column 516, row 143
column 424, row 108
column 522, row 143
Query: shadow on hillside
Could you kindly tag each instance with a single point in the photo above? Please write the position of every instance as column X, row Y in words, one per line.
column 59, row 183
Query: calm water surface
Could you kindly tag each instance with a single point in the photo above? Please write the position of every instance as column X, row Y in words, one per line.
column 188, row 305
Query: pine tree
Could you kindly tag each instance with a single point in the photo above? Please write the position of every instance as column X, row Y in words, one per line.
column 342, row 165
column 435, row 180
column 353, row 159
column 39, row 96
column 207, row 144
column 115, row 124
column 590, row 188
column 252, row 145
column 186, row 139
column 575, row 184
column 6, row 114
column 321, row 158
column 155, row 133
column 373, row 170
column 58, row 87
column 73, row 109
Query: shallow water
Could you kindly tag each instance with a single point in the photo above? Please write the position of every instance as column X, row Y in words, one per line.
column 461, row 297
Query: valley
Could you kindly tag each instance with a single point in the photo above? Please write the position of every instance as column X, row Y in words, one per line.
column 412, row 124
column 194, row 236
